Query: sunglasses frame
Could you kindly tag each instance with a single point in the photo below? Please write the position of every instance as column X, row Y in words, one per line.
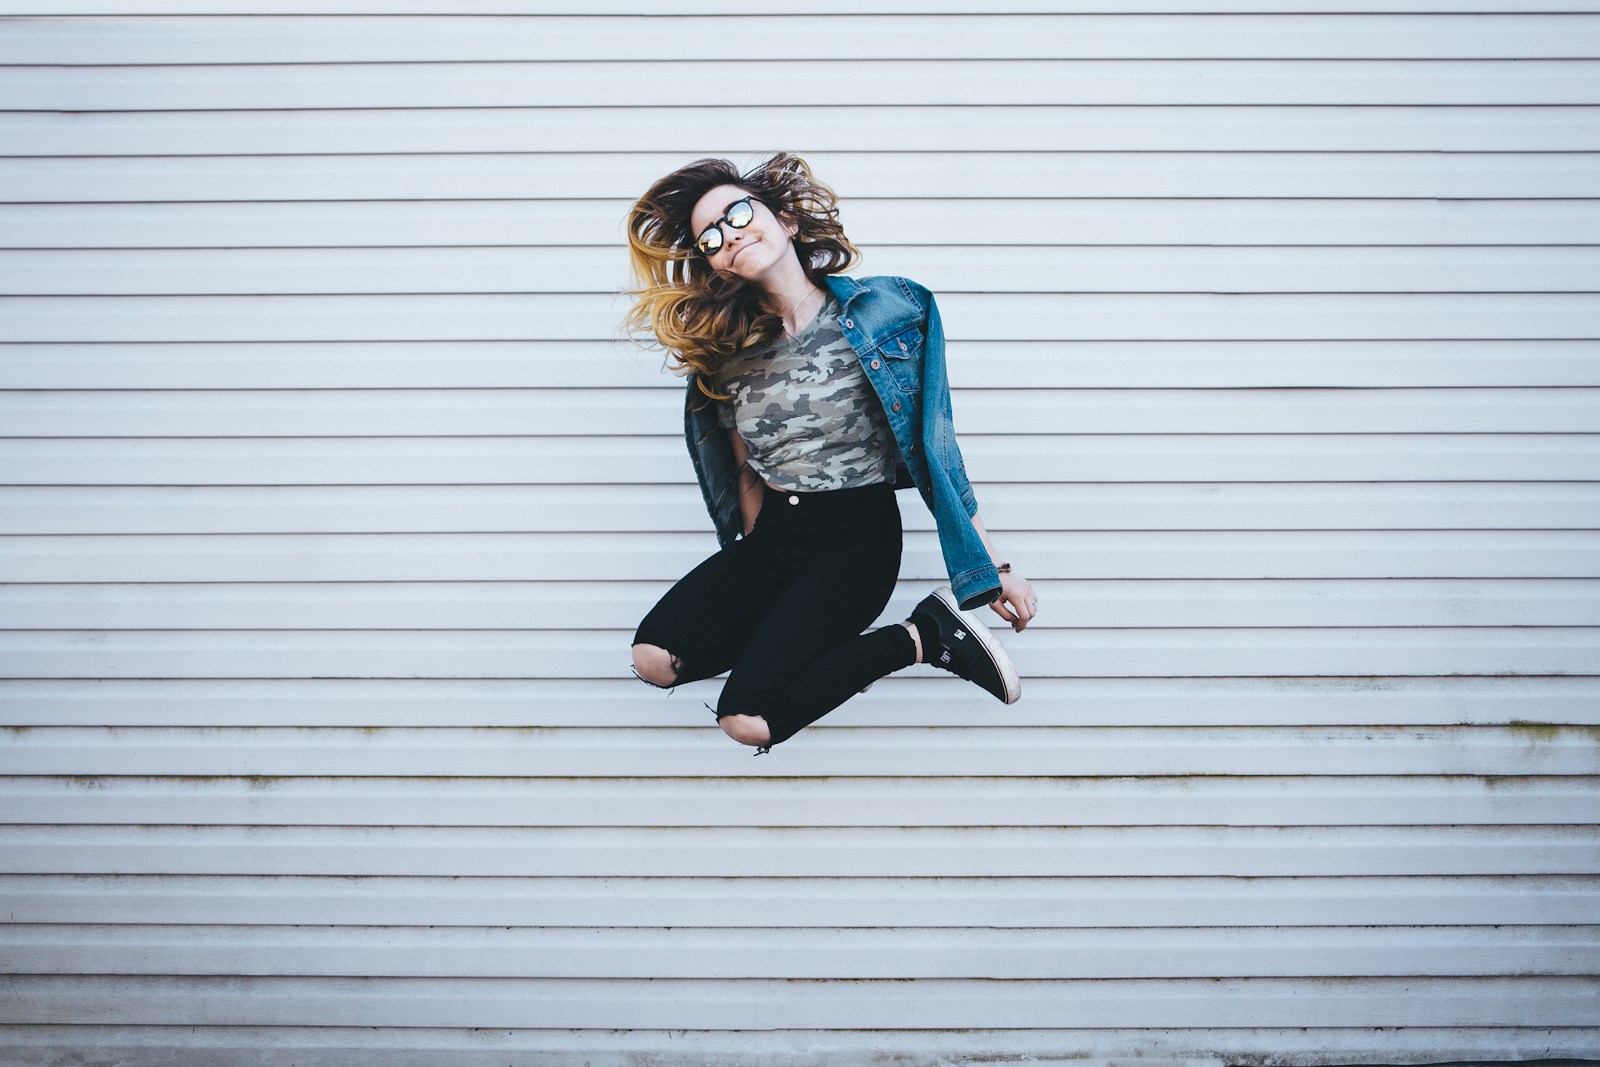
column 717, row 226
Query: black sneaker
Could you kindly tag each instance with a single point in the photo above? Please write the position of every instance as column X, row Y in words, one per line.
column 956, row 641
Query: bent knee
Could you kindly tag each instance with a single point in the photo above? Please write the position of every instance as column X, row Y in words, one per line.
column 746, row 729
column 655, row 665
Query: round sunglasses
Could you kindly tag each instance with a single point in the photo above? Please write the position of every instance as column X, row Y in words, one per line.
column 740, row 212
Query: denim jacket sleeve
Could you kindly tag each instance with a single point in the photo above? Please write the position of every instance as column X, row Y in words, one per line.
column 938, row 417
column 973, row 577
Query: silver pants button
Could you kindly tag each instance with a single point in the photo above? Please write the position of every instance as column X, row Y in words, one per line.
column 794, row 499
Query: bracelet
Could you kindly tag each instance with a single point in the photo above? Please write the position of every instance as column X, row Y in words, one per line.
column 1004, row 568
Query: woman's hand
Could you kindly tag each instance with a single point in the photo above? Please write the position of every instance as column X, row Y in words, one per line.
column 1017, row 602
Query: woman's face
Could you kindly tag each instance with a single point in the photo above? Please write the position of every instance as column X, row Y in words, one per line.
column 752, row 251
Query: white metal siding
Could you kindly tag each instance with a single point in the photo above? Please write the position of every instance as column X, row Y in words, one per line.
column 329, row 497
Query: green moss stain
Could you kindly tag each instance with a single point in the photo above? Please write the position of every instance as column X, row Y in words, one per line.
column 1535, row 731
column 1549, row 732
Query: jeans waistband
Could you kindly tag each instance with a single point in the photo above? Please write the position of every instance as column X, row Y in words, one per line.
column 862, row 501
column 828, row 497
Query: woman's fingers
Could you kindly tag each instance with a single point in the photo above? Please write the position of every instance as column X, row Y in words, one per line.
column 1007, row 610
column 1026, row 609
column 1017, row 603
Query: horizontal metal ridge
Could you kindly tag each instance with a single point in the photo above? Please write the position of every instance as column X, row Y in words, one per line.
column 794, row 953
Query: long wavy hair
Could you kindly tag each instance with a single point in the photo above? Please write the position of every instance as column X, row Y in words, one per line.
column 703, row 317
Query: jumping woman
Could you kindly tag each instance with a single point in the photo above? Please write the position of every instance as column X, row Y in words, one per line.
column 811, row 398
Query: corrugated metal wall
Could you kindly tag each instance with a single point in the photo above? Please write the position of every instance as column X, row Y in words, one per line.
column 330, row 499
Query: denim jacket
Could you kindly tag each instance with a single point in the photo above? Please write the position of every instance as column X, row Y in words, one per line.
column 893, row 325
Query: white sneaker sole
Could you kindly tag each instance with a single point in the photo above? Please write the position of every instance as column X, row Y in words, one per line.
column 991, row 645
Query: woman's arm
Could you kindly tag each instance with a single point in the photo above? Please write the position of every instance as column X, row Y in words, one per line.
column 1016, row 603
column 749, row 484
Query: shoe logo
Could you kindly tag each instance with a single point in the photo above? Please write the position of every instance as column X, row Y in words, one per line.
column 961, row 635
column 944, row 657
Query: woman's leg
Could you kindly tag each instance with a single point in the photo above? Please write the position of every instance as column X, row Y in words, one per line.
column 840, row 673
column 699, row 627
column 808, row 655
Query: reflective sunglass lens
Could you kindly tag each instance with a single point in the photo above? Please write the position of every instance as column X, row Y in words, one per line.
column 738, row 216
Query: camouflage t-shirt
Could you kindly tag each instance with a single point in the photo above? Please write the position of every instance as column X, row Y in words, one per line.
column 804, row 406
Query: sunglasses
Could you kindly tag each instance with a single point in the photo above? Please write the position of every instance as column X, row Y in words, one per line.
column 740, row 212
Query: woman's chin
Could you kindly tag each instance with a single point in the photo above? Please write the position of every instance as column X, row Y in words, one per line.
column 754, row 264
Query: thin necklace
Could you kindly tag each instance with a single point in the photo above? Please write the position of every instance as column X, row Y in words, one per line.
column 795, row 312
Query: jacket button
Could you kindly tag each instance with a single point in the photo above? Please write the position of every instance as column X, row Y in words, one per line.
column 896, row 406
column 848, row 324
column 876, row 364
column 903, row 347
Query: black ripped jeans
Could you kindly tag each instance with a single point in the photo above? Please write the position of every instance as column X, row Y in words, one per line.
column 783, row 609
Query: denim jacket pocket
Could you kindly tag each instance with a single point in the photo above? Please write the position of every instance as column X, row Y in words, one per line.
column 902, row 354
